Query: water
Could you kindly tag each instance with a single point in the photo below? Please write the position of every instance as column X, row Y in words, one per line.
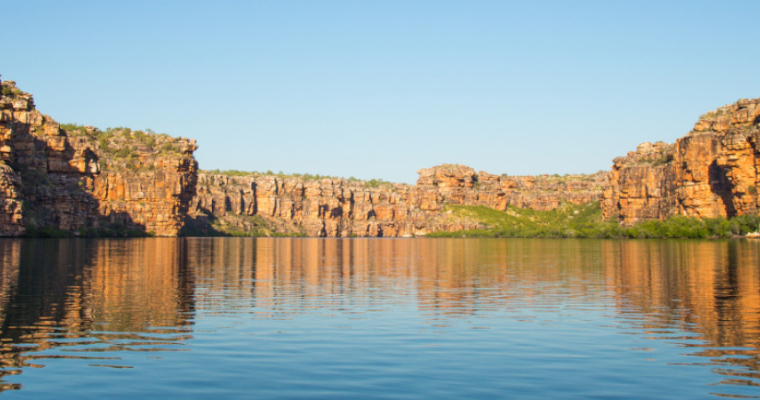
column 379, row 318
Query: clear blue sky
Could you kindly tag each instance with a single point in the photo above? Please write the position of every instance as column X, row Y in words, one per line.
column 380, row 89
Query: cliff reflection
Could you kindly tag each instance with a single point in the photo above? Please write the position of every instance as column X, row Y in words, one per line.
column 711, row 289
column 699, row 293
column 86, row 296
column 81, row 298
column 441, row 274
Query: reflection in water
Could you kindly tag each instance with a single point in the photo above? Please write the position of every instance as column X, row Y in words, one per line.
column 95, row 299
column 461, row 275
column 91, row 297
column 707, row 294
column 711, row 289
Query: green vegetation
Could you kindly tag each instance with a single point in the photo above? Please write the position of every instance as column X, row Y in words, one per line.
column 557, row 178
column 7, row 91
column 74, row 129
column 656, row 161
column 715, row 113
column 257, row 226
column 147, row 138
column 46, row 232
column 120, row 135
column 112, row 230
column 169, row 148
column 124, row 152
column 752, row 189
column 228, row 172
column 585, row 221
column 372, row 183
column 123, row 147
column 235, row 172
column 35, row 178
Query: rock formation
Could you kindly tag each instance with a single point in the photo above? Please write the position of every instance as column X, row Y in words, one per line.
column 84, row 180
column 711, row 172
column 462, row 185
column 74, row 178
column 267, row 204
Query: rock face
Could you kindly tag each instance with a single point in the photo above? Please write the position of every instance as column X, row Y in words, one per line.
column 325, row 207
column 711, row 172
column 462, row 185
column 12, row 218
column 81, row 179
column 341, row 208
column 75, row 178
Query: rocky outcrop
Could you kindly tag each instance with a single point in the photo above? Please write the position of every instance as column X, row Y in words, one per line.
column 459, row 184
column 711, row 172
column 332, row 207
column 84, row 180
column 11, row 214
column 641, row 184
column 74, row 178
column 329, row 207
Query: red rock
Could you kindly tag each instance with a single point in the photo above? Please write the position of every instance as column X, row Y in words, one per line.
column 711, row 172
column 69, row 182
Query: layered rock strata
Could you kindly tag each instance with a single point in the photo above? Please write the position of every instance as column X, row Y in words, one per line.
column 75, row 178
column 711, row 172
column 459, row 184
column 78, row 179
column 341, row 208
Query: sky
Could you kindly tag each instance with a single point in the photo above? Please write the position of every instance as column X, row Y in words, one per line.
column 381, row 89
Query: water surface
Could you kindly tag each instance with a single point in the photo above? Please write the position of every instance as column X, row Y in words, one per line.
column 379, row 318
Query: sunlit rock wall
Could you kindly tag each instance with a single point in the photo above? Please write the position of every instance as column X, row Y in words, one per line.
column 711, row 172
column 85, row 178
column 343, row 208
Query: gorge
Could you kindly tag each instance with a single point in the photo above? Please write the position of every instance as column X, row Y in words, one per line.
column 87, row 181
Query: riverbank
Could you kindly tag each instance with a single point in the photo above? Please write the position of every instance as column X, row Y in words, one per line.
column 586, row 221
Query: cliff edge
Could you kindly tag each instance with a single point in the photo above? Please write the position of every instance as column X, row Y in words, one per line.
column 266, row 204
column 711, row 172
column 84, row 180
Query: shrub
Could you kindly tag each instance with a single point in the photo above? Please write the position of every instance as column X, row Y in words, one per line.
column 585, row 221
column 169, row 148
column 374, row 183
column 124, row 152
column 46, row 232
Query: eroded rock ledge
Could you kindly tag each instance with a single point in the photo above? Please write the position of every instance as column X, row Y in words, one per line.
column 711, row 172
column 343, row 208
column 78, row 179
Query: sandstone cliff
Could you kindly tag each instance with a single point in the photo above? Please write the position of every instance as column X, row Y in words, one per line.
column 81, row 179
column 333, row 207
column 462, row 185
column 711, row 172
column 84, row 180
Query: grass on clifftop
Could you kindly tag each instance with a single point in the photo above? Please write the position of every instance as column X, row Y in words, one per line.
column 585, row 221
column 372, row 183
column 124, row 142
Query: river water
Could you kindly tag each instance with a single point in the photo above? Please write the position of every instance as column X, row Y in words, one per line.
column 379, row 318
